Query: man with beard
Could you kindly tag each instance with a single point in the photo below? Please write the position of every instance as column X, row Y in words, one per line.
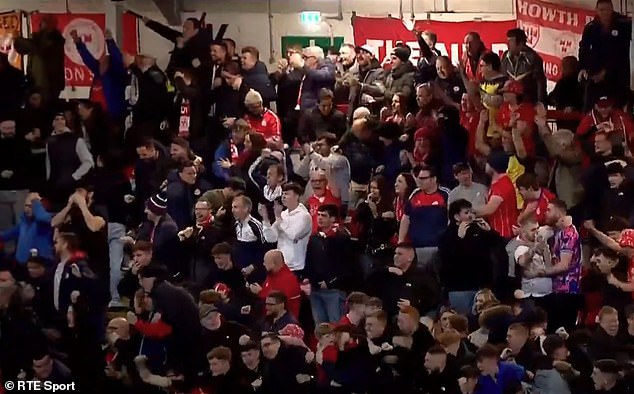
column 277, row 316
column 566, row 268
column 347, row 68
column 323, row 121
column 440, row 375
column 262, row 119
column 470, row 63
column 368, row 89
column 199, row 239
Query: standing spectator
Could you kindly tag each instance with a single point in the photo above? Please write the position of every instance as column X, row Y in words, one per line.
column 464, row 248
column 109, row 74
column 448, row 85
column 323, row 121
column 15, row 82
column 318, row 73
column 368, row 89
column 470, row 62
column 161, row 230
column 604, row 55
column 400, row 79
column 32, row 231
column 191, row 46
column 291, row 229
column 523, row 64
column 501, row 207
column 68, row 159
column 467, row 189
column 426, row 68
column 323, row 194
column 190, row 105
column 363, row 154
column 45, row 50
column 536, row 198
column 288, row 78
column 184, row 187
column 347, row 68
column 328, row 266
column 261, row 119
column 491, row 85
column 150, row 169
column 567, row 96
column 231, row 95
column 250, row 239
column 96, row 129
column 14, row 178
column 425, row 216
column 566, row 268
column 404, row 284
column 146, row 96
column 256, row 76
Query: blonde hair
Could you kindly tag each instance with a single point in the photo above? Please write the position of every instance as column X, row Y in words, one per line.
column 252, row 97
column 489, row 297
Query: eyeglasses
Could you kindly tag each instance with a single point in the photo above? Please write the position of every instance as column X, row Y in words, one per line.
column 423, row 178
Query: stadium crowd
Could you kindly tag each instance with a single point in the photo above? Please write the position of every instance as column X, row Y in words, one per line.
column 341, row 225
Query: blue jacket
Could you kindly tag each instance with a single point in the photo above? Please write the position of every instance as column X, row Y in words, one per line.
column 113, row 80
column 508, row 376
column 32, row 233
column 314, row 80
column 223, row 152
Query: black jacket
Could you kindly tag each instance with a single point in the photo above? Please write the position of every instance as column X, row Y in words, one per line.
column 466, row 263
column 329, row 259
column 415, row 285
column 165, row 244
column 148, row 99
column 258, row 79
column 196, row 47
column 279, row 374
column 287, row 90
column 14, row 156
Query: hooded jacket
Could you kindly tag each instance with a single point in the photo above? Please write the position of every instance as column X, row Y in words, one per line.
column 400, row 80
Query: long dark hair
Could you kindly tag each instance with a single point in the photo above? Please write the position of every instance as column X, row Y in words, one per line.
column 410, row 182
column 386, row 191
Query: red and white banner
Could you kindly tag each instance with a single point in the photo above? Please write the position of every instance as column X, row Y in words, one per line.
column 554, row 31
column 384, row 33
column 90, row 27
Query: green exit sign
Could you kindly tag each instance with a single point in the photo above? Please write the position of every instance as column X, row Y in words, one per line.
column 310, row 17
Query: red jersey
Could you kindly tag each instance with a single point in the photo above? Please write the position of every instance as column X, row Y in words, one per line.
column 315, row 202
column 619, row 121
column 545, row 197
column 470, row 120
column 527, row 114
column 268, row 125
column 505, row 217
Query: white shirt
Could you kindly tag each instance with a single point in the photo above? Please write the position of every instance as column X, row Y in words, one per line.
column 291, row 232
column 56, row 281
column 535, row 287
column 244, row 231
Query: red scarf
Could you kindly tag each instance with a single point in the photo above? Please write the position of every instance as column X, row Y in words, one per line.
column 183, row 124
column 205, row 223
column 331, row 232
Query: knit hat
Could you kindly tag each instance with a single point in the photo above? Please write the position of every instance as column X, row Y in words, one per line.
column 206, row 309
column 252, row 98
column 402, row 53
column 499, row 161
column 157, row 204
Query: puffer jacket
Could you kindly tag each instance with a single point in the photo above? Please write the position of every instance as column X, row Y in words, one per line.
column 400, row 80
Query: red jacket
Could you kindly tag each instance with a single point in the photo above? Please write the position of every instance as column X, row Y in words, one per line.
column 268, row 125
column 285, row 281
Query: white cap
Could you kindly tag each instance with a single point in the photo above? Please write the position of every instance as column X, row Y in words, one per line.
column 368, row 48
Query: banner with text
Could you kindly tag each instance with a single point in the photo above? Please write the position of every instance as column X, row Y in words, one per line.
column 554, row 31
column 10, row 25
column 90, row 27
column 384, row 33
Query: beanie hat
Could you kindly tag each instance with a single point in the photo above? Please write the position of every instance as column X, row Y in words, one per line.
column 499, row 161
column 292, row 330
column 402, row 53
column 252, row 97
column 157, row 204
column 206, row 309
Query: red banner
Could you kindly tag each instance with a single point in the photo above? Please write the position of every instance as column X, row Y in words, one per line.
column 554, row 31
column 90, row 27
column 383, row 33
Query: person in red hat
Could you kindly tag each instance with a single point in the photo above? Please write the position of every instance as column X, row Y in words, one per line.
column 517, row 115
column 605, row 118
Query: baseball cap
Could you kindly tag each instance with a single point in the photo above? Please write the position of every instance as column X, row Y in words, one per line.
column 367, row 48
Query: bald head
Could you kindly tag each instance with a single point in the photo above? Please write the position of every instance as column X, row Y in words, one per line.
column 273, row 260
column 119, row 326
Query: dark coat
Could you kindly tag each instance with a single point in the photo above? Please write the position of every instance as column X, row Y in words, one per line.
column 400, row 80
column 415, row 285
column 313, row 124
column 314, row 80
column 46, row 60
column 258, row 79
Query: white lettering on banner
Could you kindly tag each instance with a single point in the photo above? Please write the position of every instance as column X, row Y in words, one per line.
column 551, row 69
column 551, row 14
column 75, row 73
column 91, row 35
column 454, row 51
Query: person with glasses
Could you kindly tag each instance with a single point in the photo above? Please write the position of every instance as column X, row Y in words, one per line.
column 425, row 215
